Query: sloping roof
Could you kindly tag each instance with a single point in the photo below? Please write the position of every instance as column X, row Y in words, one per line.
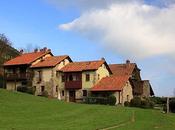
column 122, row 69
column 50, row 61
column 26, row 58
column 82, row 66
column 112, row 83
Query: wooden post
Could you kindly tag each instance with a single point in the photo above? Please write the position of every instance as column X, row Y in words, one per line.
column 167, row 105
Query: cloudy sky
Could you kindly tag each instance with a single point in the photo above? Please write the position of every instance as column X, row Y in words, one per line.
column 140, row 30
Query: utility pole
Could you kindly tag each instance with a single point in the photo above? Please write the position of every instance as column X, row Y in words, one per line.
column 167, row 105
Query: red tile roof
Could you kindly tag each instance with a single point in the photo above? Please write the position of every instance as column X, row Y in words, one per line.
column 50, row 61
column 112, row 83
column 82, row 66
column 26, row 58
column 122, row 69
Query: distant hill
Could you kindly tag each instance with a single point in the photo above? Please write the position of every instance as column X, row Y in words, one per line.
column 20, row 111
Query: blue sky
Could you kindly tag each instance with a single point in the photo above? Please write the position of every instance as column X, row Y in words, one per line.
column 58, row 25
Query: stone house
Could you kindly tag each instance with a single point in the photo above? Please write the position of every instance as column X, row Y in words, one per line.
column 119, row 86
column 46, row 77
column 79, row 77
column 140, row 87
column 17, row 70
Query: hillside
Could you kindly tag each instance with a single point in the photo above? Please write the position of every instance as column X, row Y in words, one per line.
column 20, row 111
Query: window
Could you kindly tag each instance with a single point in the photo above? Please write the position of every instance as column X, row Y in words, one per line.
column 85, row 93
column 40, row 76
column 63, row 78
column 62, row 92
column 74, row 77
column 42, row 88
column 98, row 76
column 128, row 98
column 70, row 77
column 56, row 88
column 87, row 77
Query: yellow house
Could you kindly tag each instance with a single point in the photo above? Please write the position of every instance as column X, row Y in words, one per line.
column 45, row 79
column 79, row 77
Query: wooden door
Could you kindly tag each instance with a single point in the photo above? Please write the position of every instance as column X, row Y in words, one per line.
column 72, row 96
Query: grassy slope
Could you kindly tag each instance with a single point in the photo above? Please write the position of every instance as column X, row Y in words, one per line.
column 21, row 111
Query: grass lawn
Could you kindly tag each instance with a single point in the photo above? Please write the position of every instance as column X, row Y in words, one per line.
column 20, row 111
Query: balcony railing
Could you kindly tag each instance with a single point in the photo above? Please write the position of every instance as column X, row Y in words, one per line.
column 73, row 84
column 18, row 76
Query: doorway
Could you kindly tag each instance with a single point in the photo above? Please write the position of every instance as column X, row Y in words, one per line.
column 72, row 96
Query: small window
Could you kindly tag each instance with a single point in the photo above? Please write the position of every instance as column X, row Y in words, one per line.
column 70, row 77
column 56, row 88
column 74, row 78
column 42, row 88
column 85, row 93
column 98, row 76
column 63, row 78
column 87, row 77
column 128, row 98
column 62, row 92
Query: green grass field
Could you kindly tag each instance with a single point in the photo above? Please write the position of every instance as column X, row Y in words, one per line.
column 20, row 111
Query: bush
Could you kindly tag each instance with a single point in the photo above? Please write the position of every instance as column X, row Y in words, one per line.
column 172, row 105
column 22, row 89
column 142, row 103
column 111, row 100
column 126, row 104
column 135, row 102
column 25, row 89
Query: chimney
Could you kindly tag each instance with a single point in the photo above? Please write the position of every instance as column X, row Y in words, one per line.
column 36, row 50
column 127, row 63
column 21, row 51
column 103, row 59
column 45, row 49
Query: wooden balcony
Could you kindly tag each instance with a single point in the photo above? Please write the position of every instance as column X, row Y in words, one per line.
column 18, row 76
column 73, row 84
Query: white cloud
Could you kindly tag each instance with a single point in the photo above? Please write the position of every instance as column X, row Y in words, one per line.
column 135, row 30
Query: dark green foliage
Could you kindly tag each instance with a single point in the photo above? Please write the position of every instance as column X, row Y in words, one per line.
column 126, row 104
column 135, row 102
column 111, row 100
column 142, row 103
column 25, row 89
column 158, row 100
column 172, row 105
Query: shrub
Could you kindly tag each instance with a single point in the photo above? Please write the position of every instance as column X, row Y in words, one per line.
column 126, row 104
column 172, row 105
column 22, row 89
column 111, row 100
column 135, row 102
column 143, row 103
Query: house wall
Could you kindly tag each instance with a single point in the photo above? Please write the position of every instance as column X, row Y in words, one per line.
column 146, row 89
column 127, row 93
column 50, row 79
column 10, row 85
